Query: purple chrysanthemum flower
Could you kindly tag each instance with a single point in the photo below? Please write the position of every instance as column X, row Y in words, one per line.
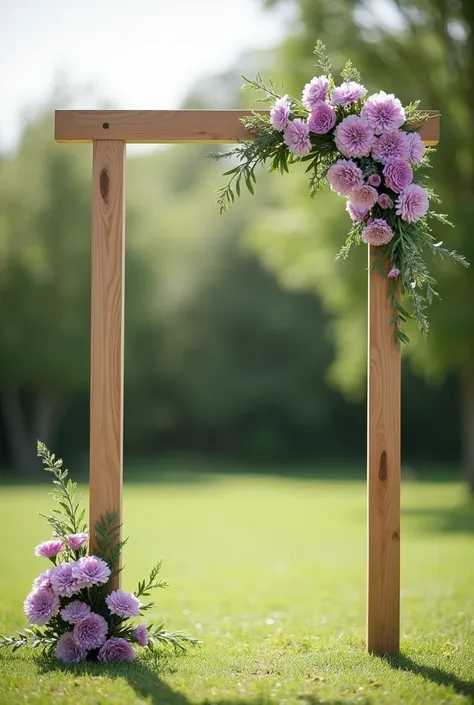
column 314, row 91
column 377, row 232
column 75, row 611
column 348, row 92
column 385, row 201
column 296, row 137
column 398, row 174
column 354, row 137
column 365, row 197
column 394, row 273
column 141, row 635
column 123, row 603
column 90, row 632
column 43, row 580
column 116, row 649
column 412, row 203
column 344, row 177
column 416, row 148
column 63, row 579
column 383, row 112
column 40, row 606
column 280, row 113
column 374, row 180
column 391, row 145
column 90, row 571
column 75, row 541
column 49, row 549
column 322, row 119
column 68, row 651
column 357, row 214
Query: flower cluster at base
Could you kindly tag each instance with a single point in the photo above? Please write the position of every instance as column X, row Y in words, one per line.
column 70, row 607
column 369, row 151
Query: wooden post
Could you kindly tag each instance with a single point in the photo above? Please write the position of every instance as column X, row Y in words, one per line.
column 107, row 331
column 383, row 471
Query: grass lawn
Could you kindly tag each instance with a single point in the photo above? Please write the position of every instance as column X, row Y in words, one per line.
column 270, row 573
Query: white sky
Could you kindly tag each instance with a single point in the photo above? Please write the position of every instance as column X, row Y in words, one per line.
column 137, row 53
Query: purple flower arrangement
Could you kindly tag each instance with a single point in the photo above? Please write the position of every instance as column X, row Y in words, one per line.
column 72, row 610
column 367, row 148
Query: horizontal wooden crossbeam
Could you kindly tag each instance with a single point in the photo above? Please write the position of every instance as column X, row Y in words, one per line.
column 171, row 126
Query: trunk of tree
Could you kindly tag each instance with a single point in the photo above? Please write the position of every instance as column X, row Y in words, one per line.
column 468, row 419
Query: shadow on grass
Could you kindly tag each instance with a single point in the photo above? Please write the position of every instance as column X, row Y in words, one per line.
column 436, row 675
column 455, row 520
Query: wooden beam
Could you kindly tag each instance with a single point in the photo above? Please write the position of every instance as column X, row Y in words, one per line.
column 383, row 470
column 170, row 126
column 107, row 331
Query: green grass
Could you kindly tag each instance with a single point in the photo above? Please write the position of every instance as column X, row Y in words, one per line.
column 270, row 574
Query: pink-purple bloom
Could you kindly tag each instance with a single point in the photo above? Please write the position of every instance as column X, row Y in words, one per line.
column 364, row 198
column 90, row 632
column 68, row 651
column 412, row 203
column 90, row 571
column 123, row 603
column 416, row 148
column 398, row 174
column 141, row 635
column 348, row 92
column 314, row 91
column 63, row 579
column 374, row 180
column 385, row 201
column 49, row 549
column 75, row 541
column 116, row 649
column 344, row 177
column 377, row 232
column 296, row 137
column 354, row 137
column 43, row 580
column 358, row 214
column 391, row 145
column 383, row 112
column 280, row 113
column 394, row 273
column 322, row 118
column 75, row 611
column 40, row 606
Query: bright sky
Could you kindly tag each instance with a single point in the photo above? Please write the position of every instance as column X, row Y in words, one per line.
column 136, row 53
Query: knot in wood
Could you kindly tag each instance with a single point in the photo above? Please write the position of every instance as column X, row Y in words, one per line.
column 104, row 182
column 383, row 466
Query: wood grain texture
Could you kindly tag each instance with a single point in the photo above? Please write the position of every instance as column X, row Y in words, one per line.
column 107, row 330
column 383, row 471
column 169, row 126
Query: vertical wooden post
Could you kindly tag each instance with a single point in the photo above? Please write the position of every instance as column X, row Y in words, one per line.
column 383, row 471
column 107, row 330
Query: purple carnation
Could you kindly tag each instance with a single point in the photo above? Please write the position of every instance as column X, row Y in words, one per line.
column 75, row 541
column 63, row 579
column 344, row 177
column 391, row 145
column 314, row 91
column 141, row 635
column 394, row 273
column 40, row 606
column 374, row 180
column 385, row 201
column 43, row 580
column 383, row 112
column 416, row 148
column 398, row 174
column 49, row 549
column 68, row 651
column 123, row 603
column 364, row 198
column 116, row 649
column 90, row 571
column 280, row 113
column 296, row 137
column 412, row 203
column 357, row 214
column 354, row 137
column 348, row 93
column 90, row 632
column 377, row 232
column 322, row 119
column 75, row 611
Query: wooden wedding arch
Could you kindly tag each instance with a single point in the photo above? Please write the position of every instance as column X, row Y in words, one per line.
column 110, row 131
